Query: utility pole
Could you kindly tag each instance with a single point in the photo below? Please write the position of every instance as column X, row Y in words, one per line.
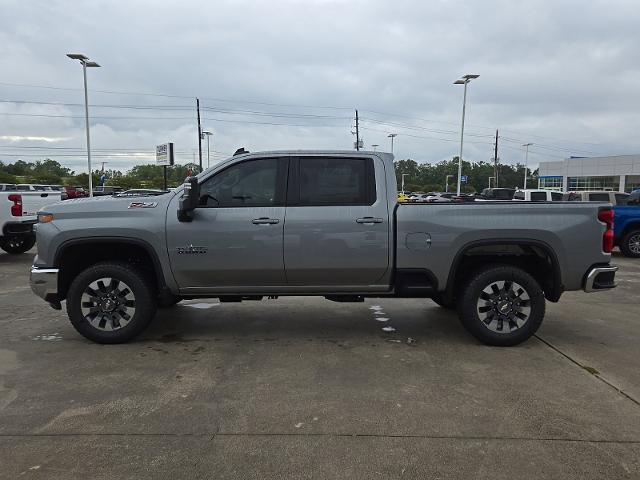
column 357, row 132
column 199, row 133
column 103, row 163
column 495, row 162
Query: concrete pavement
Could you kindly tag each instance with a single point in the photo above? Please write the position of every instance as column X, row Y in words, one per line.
column 307, row 388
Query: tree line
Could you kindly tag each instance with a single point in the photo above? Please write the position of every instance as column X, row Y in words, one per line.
column 426, row 177
column 50, row 172
column 419, row 176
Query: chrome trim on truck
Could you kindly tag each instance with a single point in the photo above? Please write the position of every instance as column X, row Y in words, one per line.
column 44, row 282
column 592, row 275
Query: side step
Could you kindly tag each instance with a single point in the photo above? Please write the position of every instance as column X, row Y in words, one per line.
column 345, row 298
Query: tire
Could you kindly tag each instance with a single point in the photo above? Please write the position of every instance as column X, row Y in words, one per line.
column 17, row 244
column 517, row 313
column 111, row 302
column 630, row 244
column 447, row 304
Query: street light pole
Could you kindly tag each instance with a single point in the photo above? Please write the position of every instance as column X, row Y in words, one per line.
column 84, row 60
column 446, row 183
column 464, row 81
column 208, row 134
column 392, row 136
column 526, row 160
column 403, row 175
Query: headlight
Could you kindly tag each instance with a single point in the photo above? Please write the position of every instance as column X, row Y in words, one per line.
column 45, row 217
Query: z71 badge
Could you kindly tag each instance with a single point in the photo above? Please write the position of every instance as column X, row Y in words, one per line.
column 191, row 250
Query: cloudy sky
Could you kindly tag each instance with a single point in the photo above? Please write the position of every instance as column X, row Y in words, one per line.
column 563, row 75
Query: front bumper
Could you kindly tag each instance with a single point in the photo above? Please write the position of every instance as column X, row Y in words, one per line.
column 44, row 283
column 600, row 278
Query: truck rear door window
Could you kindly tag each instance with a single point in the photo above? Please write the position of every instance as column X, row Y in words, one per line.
column 599, row 197
column 336, row 181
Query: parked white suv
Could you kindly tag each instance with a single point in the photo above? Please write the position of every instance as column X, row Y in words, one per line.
column 615, row 198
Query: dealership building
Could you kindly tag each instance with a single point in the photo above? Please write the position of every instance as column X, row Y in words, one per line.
column 618, row 173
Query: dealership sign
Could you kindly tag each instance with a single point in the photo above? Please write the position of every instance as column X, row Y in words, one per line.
column 164, row 154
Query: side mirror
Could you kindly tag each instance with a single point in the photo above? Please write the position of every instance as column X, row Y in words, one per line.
column 189, row 200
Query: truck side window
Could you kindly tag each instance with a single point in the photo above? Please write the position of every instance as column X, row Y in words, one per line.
column 247, row 184
column 538, row 196
column 336, row 181
column 599, row 197
column 621, row 198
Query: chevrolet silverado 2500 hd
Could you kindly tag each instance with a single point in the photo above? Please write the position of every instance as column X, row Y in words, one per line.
column 318, row 223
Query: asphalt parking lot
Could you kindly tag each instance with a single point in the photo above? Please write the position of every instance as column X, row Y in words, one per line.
column 307, row 388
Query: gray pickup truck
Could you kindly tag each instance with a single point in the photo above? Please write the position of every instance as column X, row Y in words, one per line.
column 318, row 223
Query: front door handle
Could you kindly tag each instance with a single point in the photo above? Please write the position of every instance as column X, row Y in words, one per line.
column 265, row 221
column 368, row 220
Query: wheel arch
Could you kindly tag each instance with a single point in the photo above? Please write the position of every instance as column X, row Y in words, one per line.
column 465, row 261
column 73, row 256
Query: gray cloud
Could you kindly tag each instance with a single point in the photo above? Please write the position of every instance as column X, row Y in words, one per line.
column 559, row 74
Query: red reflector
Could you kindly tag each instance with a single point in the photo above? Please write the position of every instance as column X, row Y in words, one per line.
column 606, row 215
column 16, row 208
column 607, row 241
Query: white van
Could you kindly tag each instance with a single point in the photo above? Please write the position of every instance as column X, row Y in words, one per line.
column 533, row 195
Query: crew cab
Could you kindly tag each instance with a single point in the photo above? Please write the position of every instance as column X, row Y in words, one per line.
column 320, row 223
column 18, row 215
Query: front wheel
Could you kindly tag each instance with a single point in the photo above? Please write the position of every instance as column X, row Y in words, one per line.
column 17, row 244
column 110, row 302
column 630, row 244
column 501, row 305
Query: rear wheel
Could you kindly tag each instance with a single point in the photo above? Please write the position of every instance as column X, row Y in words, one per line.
column 630, row 244
column 110, row 302
column 17, row 244
column 502, row 305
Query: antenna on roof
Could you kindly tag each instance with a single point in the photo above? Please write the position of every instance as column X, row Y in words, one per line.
column 240, row 151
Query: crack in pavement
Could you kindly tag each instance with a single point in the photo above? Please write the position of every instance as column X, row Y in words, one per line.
column 327, row 435
column 588, row 369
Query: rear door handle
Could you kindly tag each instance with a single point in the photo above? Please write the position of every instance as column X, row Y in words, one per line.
column 265, row 221
column 368, row 220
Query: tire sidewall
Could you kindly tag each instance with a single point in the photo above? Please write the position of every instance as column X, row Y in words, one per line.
column 27, row 243
column 624, row 245
column 467, row 306
column 136, row 281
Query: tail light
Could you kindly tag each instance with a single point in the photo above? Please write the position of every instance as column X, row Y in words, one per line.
column 16, row 208
column 605, row 215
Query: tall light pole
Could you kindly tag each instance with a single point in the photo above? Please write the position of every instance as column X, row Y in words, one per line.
column 392, row 136
column 526, row 160
column 403, row 175
column 84, row 60
column 208, row 134
column 446, row 183
column 463, row 81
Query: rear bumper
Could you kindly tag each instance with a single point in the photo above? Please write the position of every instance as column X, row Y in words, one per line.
column 44, row 283
column 600, row 278
column 18, row 228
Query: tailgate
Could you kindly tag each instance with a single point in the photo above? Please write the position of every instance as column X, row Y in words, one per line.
column 34, row 201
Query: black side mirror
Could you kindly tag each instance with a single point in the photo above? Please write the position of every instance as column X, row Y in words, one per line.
column 189, row 200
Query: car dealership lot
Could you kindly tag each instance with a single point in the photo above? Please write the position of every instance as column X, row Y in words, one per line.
column 307, row 388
